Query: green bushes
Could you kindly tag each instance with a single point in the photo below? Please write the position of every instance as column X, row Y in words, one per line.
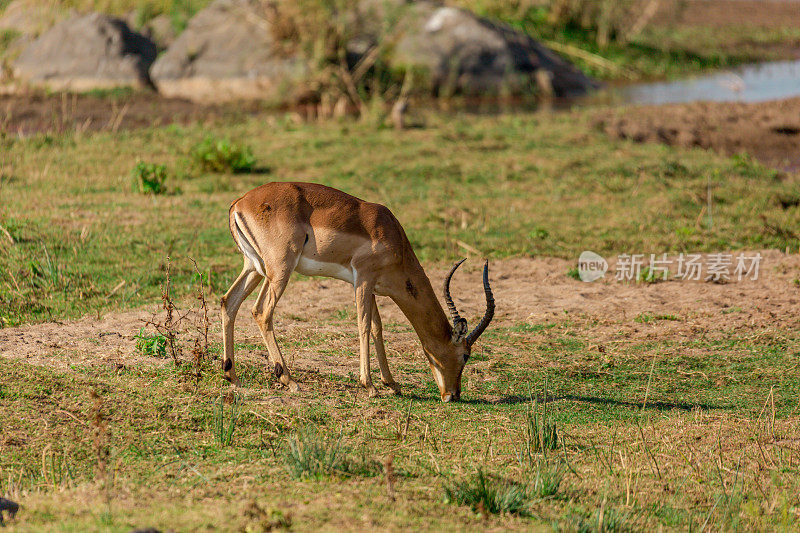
column 209, row 155
column 222, row 155
column 149, row 178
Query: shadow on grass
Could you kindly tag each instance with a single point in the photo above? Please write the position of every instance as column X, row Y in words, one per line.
column 657, row 405
column 257, row 170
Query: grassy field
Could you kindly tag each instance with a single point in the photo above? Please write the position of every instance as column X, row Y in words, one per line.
column 158, row 451
column 653, row 406
column 682, row 432
column 510, row 185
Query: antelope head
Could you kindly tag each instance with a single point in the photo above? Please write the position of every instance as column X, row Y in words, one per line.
column 448, row 375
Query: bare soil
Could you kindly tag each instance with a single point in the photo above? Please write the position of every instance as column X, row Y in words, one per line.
column 27, row 114
column 769, row 131
column 315, row 317
column 729, row 13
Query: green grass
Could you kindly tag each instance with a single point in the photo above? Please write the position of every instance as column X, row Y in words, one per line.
column 7, row 36
column 703, row 450
column 225, row 419
column 487, row 495
column 313, row 454
column 490, row 182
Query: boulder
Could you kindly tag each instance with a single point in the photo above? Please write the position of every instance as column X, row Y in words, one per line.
column 228, row 52
column 160, row 30
column 464, row 53
column 87, row 52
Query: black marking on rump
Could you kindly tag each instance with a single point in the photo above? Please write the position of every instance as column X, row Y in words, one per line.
column 306, row 241
column 278, row 370
column 412, row 290
column 227, row 365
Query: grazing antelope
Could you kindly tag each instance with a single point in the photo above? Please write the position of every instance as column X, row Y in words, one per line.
column 319, row 231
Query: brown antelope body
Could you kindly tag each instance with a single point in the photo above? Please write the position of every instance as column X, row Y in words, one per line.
column 320, row 231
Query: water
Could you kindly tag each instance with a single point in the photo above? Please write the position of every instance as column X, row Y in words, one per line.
column 750, row 83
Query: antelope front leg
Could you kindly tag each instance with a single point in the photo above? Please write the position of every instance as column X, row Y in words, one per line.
column 380, row 350
column 364, row 301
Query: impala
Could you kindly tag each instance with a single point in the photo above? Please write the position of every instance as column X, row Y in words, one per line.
column 320, row 231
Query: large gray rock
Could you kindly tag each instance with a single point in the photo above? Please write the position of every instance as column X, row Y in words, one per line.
column 160, row 30
column 228, row 52
column 87, row 52
column 463, row 53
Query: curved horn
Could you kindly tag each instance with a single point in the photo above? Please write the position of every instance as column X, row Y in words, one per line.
column 487, row 317
column 447, row 299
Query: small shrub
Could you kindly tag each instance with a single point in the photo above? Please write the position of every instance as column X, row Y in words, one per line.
column 311, row 455
column 149, row 178
column 541, row 434
column 574, row 273
column 748, row 166
column 225, row 425
column 47, row 274
column 155, row 344
column 605, row 520
column 539, row 233
column 487, row 495
column 547, row 479
column 221, row 155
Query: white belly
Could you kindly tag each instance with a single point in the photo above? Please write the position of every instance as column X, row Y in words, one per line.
column 312, row 267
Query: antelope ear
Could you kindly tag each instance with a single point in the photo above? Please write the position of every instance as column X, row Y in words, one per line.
column 459, row 330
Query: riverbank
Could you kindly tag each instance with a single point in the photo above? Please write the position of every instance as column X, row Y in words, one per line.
column 768, row 131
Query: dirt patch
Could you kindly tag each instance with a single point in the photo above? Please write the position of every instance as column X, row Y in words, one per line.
column 315, row 318
column 27, row 114
column 727, row 13
column 770, row 131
